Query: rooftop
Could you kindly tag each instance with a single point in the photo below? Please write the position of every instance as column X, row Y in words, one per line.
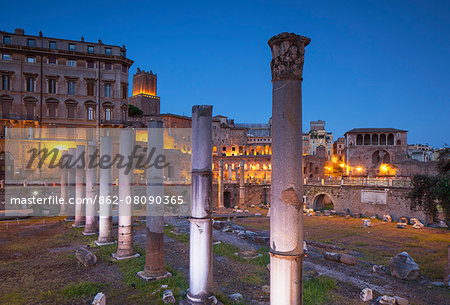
column 362, row 130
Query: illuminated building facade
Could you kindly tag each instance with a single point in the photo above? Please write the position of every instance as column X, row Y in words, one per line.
column 53, row 82
column 375, row 151
column 318, row 137
column 144, row 92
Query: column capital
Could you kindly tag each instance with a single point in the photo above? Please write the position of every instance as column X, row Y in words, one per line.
column 288, row 50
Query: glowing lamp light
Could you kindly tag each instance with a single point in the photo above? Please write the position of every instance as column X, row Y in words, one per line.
column 359, row 169
column 384, row 168
column 342, row 165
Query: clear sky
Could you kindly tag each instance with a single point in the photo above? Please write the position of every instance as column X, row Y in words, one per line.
column 369, row 64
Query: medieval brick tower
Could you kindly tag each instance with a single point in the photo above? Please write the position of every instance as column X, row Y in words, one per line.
column 144, row 92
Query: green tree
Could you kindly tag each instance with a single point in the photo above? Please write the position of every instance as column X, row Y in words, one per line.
column 134, row 111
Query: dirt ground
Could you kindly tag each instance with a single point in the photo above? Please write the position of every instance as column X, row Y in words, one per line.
column 38, row 265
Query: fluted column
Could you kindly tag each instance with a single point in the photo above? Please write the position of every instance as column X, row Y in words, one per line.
column 91, row 190
column 242, row 186
column 200, row 245
column 125, row 247
column 220, row 186
column 286, row 218
column 155, row 268
column 80, row 176
column 105, row 235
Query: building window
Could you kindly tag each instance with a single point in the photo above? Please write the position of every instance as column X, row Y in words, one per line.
column 52, row 110
column 124, row 114
column 108, row 90
column 52, row 60
column 122, row 53
column 71, row 87
column 51, row 85
column 124, row 69
column 90, row 49
column 108, row 114
column 31, row 43
column 71, row 111
column 71, row 47
column 6, row 80
column 90, row 84
column 90, row 113
column 108, row 66
column 30, row 84
column 71, row 63
column 6, row 57
column 52, row 45
column 31, row 59
column 30, row 109
column 124, row 92
column 7, row 39
column 90, row 64
column 107, row 51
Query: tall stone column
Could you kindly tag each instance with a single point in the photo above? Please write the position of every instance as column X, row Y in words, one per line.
column 155, row 268
column 229, row 172
column 220, row 185
column 91, row 190
column 105, row 235
column 286, row 218
column 125, row 247
column 242, row 186
column 80, row 176
column 64, row 173
column 71, row 175
column 200, row 246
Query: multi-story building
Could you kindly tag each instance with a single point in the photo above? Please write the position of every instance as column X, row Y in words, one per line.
column 370, row 150
column 421, row 152
column 53, row 82
column 58, row 82
column 317, row 137
column 339, row 150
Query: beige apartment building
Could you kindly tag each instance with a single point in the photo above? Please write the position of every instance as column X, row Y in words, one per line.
column 58, row 82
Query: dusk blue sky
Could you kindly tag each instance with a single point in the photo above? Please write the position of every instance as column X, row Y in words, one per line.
column 369, row 64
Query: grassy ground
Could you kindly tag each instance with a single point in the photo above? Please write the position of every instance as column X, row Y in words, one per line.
column 427, row 246
column 38, row 266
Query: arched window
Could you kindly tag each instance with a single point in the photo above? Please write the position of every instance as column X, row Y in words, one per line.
column 71, row 107
column 383, row 139
column 390, row 139
column 399, row 142
column 359, row 139
column 366, row 139
column 374, row 139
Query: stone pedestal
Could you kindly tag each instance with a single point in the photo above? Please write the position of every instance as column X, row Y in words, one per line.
column 125, row 247
column 286, row 218
column 105, row 236
column 80, row 175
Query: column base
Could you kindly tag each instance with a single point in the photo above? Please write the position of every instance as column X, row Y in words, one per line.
column 88, row 233
column 119, row 258
column 146, row 278
column 98, row 243
column 213, row 301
